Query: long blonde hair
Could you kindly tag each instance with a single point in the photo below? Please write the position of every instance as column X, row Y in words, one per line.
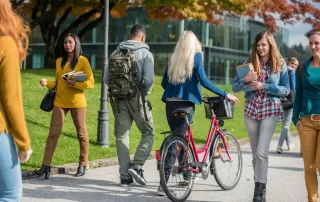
column 181, row 62
column 274, row 54
column 13, row 25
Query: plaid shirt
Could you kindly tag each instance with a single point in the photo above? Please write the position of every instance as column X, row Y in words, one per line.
column 262, row 105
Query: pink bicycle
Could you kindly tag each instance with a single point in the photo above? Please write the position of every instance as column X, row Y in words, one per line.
column 179, row 162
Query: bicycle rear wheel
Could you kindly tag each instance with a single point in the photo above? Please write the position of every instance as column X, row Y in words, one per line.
column 227, row 171
column 175, row 174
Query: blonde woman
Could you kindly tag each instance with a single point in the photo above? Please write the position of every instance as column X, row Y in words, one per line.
column 13, row 129
column 182, row 82
column 262, row 108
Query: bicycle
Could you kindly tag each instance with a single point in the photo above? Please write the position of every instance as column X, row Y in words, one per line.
column 179, row 160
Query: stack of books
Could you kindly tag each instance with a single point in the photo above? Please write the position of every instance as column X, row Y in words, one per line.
column 78, row 76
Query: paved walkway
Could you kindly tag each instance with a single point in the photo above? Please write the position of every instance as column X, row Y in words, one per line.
column 286, row 183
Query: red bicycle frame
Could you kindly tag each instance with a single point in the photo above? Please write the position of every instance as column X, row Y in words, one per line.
column 214, row 128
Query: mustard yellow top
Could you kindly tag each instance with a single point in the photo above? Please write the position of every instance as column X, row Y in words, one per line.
column 11, row 107
column 71, row 97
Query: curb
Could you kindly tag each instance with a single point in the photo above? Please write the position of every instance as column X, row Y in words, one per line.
column 69, row 168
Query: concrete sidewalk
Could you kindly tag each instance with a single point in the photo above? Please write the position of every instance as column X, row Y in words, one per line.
column 286, row 183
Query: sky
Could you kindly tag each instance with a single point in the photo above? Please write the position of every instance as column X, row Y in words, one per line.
column 297, row 33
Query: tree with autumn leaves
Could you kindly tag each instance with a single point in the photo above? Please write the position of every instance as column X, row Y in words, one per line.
column 50, row 15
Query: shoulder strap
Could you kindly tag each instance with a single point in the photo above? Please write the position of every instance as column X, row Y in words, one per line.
column 300, row 71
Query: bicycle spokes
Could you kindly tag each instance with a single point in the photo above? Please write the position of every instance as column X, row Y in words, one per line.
column 227, row 164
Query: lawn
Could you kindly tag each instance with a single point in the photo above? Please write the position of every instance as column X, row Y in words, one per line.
column 67, row 150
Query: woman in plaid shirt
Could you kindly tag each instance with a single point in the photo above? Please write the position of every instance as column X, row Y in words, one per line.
column 262, row 110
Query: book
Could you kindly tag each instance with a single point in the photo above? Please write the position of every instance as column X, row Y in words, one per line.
column 243, row 70
column 72, row 73
column 79, row 77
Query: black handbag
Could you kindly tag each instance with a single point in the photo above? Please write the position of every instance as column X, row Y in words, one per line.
column 47, row 102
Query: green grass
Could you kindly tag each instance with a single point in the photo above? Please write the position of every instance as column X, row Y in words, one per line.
column 67, row 150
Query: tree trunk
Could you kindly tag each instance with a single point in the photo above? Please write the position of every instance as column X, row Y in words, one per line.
column 47, row 31
column 50, row 59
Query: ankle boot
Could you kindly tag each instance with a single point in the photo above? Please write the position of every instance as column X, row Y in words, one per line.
column 264, row 192
column 44, row 170
column 257, row 197
column 81, row 171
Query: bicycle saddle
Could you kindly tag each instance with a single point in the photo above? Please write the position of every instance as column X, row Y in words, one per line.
column 184, row 111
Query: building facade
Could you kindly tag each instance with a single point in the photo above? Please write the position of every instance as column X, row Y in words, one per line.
column 225, row 46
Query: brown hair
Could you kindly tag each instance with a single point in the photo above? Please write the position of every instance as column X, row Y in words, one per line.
column 11, row 24
column 312, row 32
column 274, row 54
column 292, row 60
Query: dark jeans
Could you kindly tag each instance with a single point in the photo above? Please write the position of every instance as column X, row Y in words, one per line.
column 178, row 126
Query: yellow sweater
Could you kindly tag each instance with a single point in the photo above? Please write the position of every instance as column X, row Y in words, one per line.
column 11, row 108
column 71, row 97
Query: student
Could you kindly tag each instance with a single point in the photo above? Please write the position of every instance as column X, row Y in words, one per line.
column 13, row 129
column 69, row 97
column 262, row 108
column 306, row 114
column 182, row 82
column 287, row 104
column 136, row 108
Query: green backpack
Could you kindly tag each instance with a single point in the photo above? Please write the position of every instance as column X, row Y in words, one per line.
column 122, row 75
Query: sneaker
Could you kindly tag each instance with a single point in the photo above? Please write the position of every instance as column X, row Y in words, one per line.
column 290, row 147
column 279, row 150
column 126, row 182
column 137, row 174
column 183, row 183
column 160, row 191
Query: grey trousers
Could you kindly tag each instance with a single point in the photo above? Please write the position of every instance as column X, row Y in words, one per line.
column 260, row 134
column 285, row 128
column 125, row 112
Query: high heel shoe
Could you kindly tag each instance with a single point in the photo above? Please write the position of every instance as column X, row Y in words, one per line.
column 80, row 171
column 44, row 170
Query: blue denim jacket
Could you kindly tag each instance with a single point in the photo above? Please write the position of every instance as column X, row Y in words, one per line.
column 277, row 85
column 190, row 90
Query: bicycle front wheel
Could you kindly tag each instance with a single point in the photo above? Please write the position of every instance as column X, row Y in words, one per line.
column 226, row 168
column 176, row 176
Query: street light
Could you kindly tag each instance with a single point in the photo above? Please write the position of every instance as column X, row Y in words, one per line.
column 103, row 113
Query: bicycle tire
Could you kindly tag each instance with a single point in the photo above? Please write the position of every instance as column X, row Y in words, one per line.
column 233, row 146
column 170, row 192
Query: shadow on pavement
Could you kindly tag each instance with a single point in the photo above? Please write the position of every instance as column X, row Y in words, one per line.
column 286, row 168
column 89, row 190
column 273, row 153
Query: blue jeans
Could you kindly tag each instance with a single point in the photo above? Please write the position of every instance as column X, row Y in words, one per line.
column 10, row 171
column 178, row 126
column 285, row 127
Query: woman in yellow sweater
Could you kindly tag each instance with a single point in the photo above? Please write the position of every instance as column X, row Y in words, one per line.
column 13, row 129
column 69, row 97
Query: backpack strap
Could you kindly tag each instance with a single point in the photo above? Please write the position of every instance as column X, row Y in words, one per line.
column 300, row 71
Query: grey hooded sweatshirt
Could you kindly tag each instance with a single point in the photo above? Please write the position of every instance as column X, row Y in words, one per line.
column 145, row 63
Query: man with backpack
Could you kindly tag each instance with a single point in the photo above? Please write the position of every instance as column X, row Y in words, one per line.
column 130, row 79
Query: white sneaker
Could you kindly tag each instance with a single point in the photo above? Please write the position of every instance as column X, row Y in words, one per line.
column 290, row 147
column 279, row 150
column 160, row 191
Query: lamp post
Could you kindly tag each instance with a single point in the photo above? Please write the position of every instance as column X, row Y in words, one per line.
column 103, row 113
